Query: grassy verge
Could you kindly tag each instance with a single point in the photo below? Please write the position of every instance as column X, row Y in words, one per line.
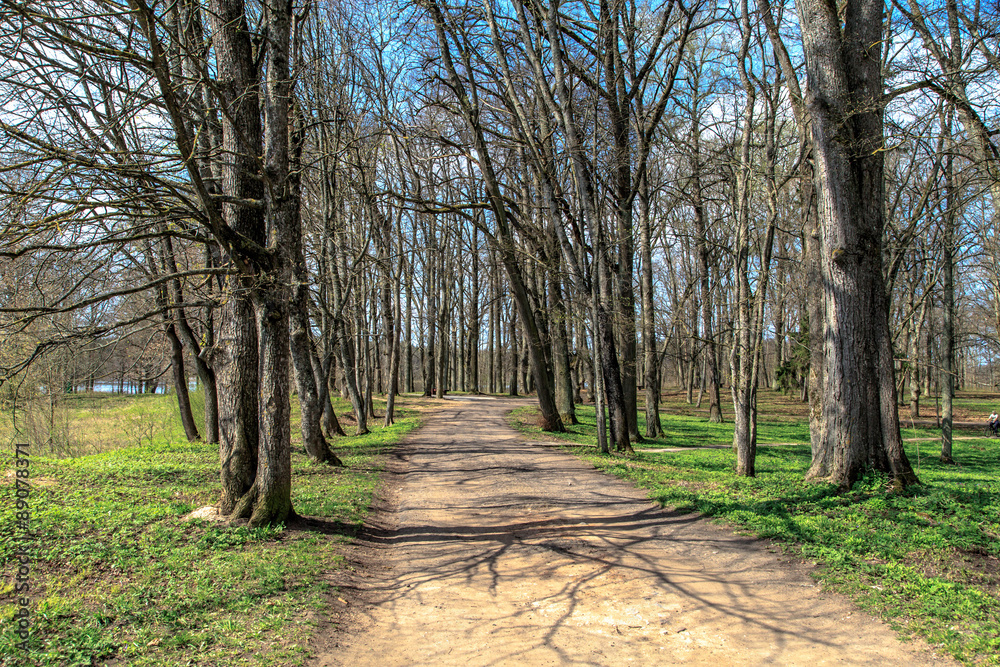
column 927, row 561
column 118, row 577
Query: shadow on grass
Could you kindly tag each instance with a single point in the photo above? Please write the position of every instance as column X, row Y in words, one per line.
column 322, row 526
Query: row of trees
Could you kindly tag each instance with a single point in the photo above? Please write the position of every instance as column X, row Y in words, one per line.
column 545, row 196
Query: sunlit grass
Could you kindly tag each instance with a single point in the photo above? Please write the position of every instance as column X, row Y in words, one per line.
column 117, row 573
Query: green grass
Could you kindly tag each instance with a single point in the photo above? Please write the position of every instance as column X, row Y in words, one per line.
column 927, row 560
column 118, row 574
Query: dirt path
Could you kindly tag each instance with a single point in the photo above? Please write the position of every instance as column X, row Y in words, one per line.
column 496, row 551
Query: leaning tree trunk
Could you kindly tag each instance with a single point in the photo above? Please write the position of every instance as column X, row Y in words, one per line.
column 180, row 383
column 310, row 400
column 322, row 368
column 505, row 243
column 206, row 376
column 348, row 361
column 176, row 348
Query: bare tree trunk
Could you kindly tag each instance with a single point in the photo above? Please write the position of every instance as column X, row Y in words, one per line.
column 323, row 369
column 170, row 332
column 845, row 99
column 948, row 308
column 432, row 317
column 269, row 501
column 236, row 356
column 492, row 332
column 312, row 407
column 235, row 361
column 393, row 389
column 812, row 246
column 346, row 349
column 741, row 353
column 651, row 379
column 474, row 322
column 408, row 347
column 613, row 393
column 180, row 383
column 562, row 378
column 443, row 313
column 597, row 385
column 515, row 356
column 206, row 376
column 913, row 348
column 701, row 243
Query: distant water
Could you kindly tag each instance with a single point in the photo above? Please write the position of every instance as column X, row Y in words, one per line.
column 130, row 388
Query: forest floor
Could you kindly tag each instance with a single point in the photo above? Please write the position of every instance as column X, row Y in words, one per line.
column 488, row 548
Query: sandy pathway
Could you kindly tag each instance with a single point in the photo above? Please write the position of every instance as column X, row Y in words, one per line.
column 502, row 552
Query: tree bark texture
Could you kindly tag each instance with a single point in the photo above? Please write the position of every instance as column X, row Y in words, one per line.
column 844, row 99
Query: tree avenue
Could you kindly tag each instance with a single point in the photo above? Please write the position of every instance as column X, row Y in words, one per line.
column 255, row 202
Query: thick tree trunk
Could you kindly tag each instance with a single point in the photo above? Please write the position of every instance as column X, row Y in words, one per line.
column 845, row 100
column 236, row 367
column 270, row 501
column 236, row 357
